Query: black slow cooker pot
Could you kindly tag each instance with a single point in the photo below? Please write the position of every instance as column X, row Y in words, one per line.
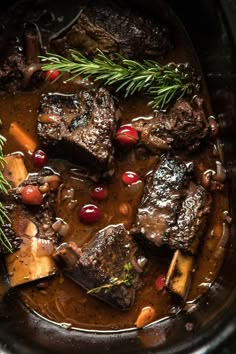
column 212, row 29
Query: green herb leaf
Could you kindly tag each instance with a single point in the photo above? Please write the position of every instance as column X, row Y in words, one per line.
column 126, row 279
column 4, row 186
column 161, row 83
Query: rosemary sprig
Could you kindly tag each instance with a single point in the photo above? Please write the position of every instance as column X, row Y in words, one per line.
column 4, row 185
column 161, row 83
column 125, row 279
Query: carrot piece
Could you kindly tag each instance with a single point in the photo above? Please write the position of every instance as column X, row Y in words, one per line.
column 22, row 137
column 146, row 316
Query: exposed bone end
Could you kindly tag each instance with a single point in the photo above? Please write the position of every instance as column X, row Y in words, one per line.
column 179, row 274
column 26, row 265
column 68, row 253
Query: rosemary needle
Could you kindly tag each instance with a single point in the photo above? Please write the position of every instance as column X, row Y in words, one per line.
column 4, row 185
column 161, row 83
column 125, row 279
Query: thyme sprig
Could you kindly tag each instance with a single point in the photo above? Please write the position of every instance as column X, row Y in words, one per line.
column 4, row 186
column 160, row 83
column 125, row 279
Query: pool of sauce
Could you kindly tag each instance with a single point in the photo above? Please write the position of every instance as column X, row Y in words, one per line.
column 62, row 300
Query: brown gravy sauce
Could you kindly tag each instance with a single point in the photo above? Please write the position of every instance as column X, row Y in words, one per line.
column 65, row 302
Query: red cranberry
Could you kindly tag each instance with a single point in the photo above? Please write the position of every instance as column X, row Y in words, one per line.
column 40, row 159
column 31, row 195
column 127, row 136
column 99, row 193
column 89, row 214
column 130, row 177
column 52, row 75
column 160, row 282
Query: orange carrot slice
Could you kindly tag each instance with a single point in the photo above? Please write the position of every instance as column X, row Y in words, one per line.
column 22, row 137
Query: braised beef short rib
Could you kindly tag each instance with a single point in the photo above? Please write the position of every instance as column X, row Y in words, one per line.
column 192, row 219
column 172, row 210
column 183, row 126
column 114, row 29
column 33, row 224
column 103, row 261
column 79, row 126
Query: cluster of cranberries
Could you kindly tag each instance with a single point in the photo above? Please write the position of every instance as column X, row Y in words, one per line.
column 91, row 213
column 126, row 137
column 31, row 194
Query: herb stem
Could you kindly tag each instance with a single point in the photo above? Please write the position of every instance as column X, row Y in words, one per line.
column 125, row 279
column 161, row 83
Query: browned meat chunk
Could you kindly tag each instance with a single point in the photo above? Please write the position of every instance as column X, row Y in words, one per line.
column 192, row 219
column 79, row 126
column 183, row 126
column 172, row 210
column 11, row 70
column 108, row 267
column 161, row 202
column 109, row 26
column 114, row 29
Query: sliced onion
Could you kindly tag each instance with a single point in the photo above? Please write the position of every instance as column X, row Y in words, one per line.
column 136, row 187
column 64, row 229
column 220, row 174
column 224, row 237
column 57, row 224
column 53, row 180
column 227, row 217
column 44, row 247
column 142, row 261
column 206, row 178
column 29, row 71
column 222, row 244
column 61, row 227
